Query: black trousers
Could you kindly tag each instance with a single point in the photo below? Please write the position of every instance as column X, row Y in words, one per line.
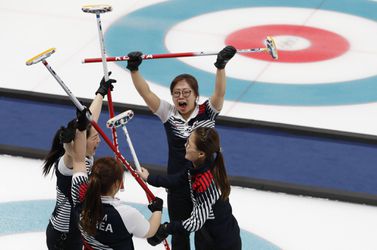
column 204, row 241
column 57, row 240
column 179, row 208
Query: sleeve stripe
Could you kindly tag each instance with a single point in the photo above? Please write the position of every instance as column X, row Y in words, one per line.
column 79, row 186
column 202, row 209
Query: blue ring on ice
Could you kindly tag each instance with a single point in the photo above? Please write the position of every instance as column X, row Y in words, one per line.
column 145, row 28
column 33, row 215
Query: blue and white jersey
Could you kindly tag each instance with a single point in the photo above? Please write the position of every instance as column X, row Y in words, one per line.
column 210, row 212
column 178, row 130
column 62, row 218
column 119, row 224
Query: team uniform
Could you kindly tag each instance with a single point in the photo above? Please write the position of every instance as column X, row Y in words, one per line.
column 177, row 131
column 62, row 231
column 210, row 213
column 119, row 224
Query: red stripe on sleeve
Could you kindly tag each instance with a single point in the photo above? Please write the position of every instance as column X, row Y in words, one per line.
column 202, row 182
column 82, row 191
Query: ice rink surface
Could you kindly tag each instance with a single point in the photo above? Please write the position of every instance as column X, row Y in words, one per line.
column 288, row 221
column 33, row 27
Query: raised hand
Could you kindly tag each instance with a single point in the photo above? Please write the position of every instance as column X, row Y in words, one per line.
column 156, row 205
column 82, row 120
column 134, row 60
column 143, row 173
column 224, row 56
column 104, row 86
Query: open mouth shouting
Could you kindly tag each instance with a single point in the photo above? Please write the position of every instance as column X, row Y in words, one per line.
column 182, row 104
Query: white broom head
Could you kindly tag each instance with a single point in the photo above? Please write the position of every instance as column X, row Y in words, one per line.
column 120, row 119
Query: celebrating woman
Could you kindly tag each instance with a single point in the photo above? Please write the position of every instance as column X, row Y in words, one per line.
column 179, row 120
column 209, row 189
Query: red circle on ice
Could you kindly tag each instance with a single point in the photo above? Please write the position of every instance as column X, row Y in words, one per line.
column 322, row 44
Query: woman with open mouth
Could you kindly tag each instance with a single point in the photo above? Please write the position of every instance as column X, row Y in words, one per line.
column 62, row 231
column 179, row 120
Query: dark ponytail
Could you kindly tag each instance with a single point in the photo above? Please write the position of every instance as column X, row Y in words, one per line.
column 208, row 141
column 63, row 135
column 92, row 208
column 54, row 154
column 105, row 172
column 219, row 172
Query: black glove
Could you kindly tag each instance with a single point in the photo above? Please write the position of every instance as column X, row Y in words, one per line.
column 156, row 205
column 160, row 235
column 82, row 120
column 67, row 134
column 224, row 56
column 134, row 60
column 104, row 86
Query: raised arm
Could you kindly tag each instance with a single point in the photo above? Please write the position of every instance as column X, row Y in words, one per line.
column 138, row 225
column 96, row 105
column 66, row 136
column 155, row 207
column 74, row 156
column 77, row 148
column 142, row 87
column 217, row 99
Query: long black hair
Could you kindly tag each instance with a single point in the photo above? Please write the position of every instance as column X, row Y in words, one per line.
column 105, row 172
column 57, row 149
column 208, row 141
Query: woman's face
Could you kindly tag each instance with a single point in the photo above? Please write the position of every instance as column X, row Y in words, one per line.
column 192, row 153
column 184, row 98
column 92, row 142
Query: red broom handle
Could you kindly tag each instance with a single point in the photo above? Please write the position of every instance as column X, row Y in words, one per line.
column 149, row 56
column 123, row 160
